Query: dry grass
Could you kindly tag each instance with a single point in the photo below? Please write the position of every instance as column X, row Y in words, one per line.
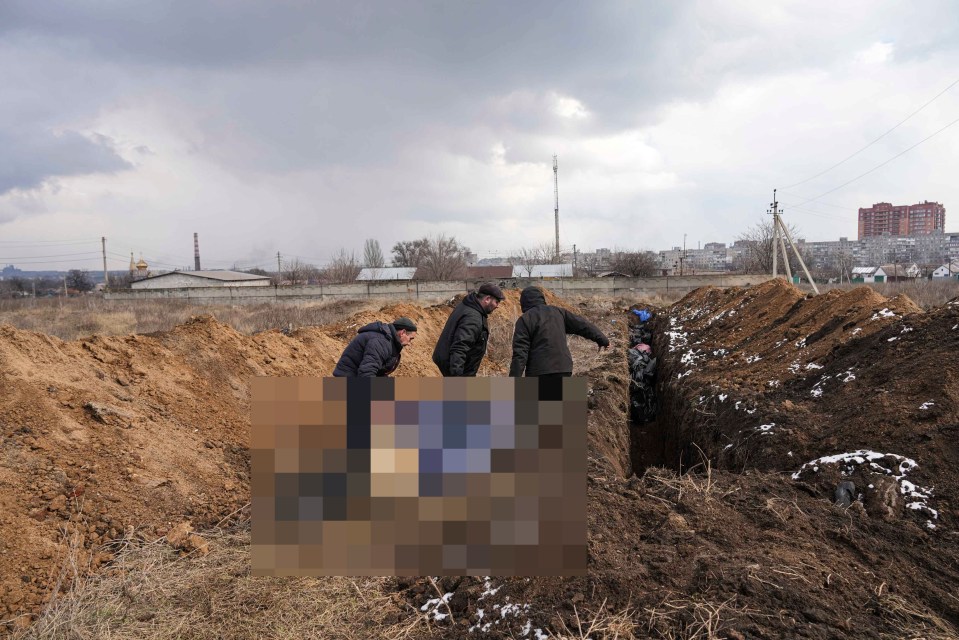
column 697, row 480
column 80, row 317
column 602, row 623
column 911, row 620
column 682, row 618
column 499, row 349
column 150, row 591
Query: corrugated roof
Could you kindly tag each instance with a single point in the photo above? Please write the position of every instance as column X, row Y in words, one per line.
column 222, row 276
column 544, row 271
column 387, row 273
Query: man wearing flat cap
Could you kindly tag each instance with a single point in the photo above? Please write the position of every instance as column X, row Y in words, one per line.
column 462, row 345
column 375, row 351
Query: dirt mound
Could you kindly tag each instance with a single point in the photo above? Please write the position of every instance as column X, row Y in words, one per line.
column 134, row 435
column 779, row 379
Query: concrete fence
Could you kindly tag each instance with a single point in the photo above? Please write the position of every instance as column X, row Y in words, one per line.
column 417, row 290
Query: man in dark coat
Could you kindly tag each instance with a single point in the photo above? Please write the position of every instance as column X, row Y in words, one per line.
column 462, row 345
column 375, row 351
column 539, row 339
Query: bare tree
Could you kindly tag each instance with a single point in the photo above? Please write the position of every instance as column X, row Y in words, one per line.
column 373, row 255
column 588, row 265
column 443, row 259
column 297, row 272
column 274, row 277
column 757, row 244
column 639, row 264
column 529, row 257
column 410, row 253
column 342, row 269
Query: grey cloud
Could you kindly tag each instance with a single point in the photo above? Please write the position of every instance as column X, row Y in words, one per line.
column 31, row 157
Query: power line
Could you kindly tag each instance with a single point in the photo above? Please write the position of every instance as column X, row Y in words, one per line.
column 879, row 166
column 55, row 255
column 876, row 140
column 48, row 243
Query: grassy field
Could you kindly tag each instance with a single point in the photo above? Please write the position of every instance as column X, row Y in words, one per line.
column 74, row 318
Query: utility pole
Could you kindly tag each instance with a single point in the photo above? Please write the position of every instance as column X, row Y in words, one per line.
column 278, row 267
column 556, row 209
column 780, row 236
column 574, row 260
column 106, row 277
column 682, row 260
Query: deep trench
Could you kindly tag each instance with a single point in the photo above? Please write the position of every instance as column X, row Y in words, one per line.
column 655, row 436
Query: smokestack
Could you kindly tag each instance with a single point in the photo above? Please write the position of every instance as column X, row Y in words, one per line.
column 196, row 252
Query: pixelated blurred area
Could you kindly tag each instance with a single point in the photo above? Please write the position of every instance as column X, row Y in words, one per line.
column 413, row 476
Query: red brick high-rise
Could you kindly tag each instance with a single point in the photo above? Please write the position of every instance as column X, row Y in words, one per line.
column 883, row 218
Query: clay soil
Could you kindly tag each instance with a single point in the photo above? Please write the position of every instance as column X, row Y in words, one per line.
column 715, row 528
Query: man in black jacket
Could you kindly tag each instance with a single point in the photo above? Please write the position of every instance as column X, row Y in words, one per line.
column 539, row 339
column 462, row 345
column 375, row 351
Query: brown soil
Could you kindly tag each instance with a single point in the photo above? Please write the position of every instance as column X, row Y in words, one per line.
column 106, row 437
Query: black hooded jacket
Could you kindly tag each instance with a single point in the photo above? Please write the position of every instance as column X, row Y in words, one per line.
column 462, row 345
column 374, row 352
column 539, row 339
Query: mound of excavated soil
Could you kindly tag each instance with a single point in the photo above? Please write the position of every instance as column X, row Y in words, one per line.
column 112, row 436
column 749, row 544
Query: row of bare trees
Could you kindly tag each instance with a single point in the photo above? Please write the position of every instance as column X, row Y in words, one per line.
column 435, row 258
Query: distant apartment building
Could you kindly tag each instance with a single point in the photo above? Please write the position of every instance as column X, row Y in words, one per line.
column 885, row 219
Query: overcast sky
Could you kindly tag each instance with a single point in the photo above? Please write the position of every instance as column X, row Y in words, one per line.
column 307, row 127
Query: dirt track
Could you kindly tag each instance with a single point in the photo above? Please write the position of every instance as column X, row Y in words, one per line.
column 133, row 435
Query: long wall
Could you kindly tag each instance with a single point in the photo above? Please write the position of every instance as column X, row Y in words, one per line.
column 416, row 290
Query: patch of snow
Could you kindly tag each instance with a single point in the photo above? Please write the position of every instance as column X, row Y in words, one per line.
column 856, row 330
column 518, row 612
column 925, row 405
column 789, row 453
column 780, row 343
column 488, row 589
column 727, row 447
column 752, row 359
column 892, row 339
column 773, row 383
column 906, row 330
column 801, row 343
column 432, row 607
column 794, row 367
column 850, row 376
column 683, row 375
column 885, row 313
column 738, row 402
column 889, row 464
column 766, row 429
column 750, row 411
column 720, row 352
column 690, row 357
column 722, row 397
column 813, row 365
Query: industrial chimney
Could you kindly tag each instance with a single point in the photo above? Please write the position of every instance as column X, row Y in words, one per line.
column 196, row 252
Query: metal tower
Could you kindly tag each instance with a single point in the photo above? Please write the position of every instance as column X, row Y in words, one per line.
column 556, row 210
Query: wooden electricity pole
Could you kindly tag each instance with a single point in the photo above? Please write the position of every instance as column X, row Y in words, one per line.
column 780, row 237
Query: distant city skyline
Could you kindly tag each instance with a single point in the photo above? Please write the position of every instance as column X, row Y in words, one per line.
column 306, row 128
